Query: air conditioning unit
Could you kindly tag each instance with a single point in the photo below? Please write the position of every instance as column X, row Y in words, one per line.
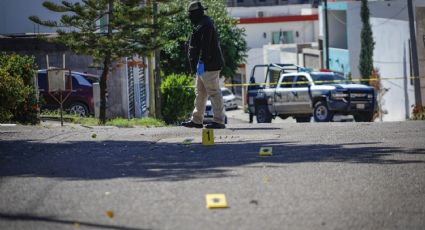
column 260, row 14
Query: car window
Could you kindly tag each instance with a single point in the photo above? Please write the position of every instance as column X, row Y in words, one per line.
column 226, row 92
column 79, row 80
column 301, row 81
column 287, row 82
column 42, row 81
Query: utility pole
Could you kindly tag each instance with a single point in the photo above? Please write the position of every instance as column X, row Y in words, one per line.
column 151, row 71
column 157, row 72
column 418, row 99
column 326, row 34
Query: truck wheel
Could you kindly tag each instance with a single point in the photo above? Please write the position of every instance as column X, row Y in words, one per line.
column 321, row 112
column 263, row 114
column 303, row 119
column 364, row 117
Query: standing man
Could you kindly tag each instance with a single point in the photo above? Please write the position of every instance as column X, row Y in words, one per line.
column 206, row 59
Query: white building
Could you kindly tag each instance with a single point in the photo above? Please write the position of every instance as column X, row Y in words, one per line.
column 390, row 27
column 271, row 30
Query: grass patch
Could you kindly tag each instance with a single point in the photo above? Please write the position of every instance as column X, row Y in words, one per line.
column 129, row 123
column 118, row 122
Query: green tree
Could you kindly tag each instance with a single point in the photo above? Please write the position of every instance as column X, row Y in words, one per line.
column 177, row 32
column 367, row 44
column 130, row 28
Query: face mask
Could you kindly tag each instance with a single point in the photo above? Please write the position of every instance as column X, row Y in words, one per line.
column 195, row 16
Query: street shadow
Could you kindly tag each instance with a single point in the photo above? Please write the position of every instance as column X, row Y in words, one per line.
column 52, row 220
column 97, row 160
column 253, row 128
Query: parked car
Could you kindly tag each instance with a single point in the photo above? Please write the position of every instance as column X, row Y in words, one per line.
column 229, row 99
column 208, row 115
column 79, row 102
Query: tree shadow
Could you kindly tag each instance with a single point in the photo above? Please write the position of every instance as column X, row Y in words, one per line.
column 52, row 220
column 97, row 160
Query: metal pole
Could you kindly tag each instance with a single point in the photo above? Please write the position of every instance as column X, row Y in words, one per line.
column 61, row 103
column 418, row 99
column 326, row 34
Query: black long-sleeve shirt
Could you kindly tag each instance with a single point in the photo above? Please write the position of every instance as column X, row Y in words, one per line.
column 204, row 45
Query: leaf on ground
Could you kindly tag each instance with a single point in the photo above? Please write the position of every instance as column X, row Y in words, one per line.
column 110, row 214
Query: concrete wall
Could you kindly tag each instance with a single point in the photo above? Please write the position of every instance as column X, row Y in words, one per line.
column 269, row 11
column 353, row 37
column 339, row 60
column 14, row 16
column 117, row 104
column 255, row 57
column 389, row 21
column 338, row 33
column 258, row 35
column 312, row 58
column 392, row 59
column 39, row 49
column 420, row 40
column 265, row 2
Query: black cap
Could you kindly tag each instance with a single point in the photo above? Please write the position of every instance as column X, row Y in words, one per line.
column 195, row 5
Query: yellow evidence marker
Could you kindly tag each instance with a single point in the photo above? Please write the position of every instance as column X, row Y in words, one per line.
column 216, row 201
column 207, row 136
column 265, row 151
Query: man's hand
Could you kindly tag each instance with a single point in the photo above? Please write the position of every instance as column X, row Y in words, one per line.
column 200, row 68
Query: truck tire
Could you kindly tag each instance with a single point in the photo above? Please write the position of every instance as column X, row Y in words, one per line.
column 263, row 114
column 364, row 117
column 321, row 112
column 303, row 119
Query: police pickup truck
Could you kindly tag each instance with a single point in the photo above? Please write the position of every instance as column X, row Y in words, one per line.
column 293, row 91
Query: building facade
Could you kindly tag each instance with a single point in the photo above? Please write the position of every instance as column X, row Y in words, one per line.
column 392, row 53
column 128, row 91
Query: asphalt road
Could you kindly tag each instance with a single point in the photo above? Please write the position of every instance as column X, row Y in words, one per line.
column 321, row 176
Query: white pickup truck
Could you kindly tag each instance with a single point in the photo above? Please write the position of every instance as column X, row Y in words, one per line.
column 292, row 91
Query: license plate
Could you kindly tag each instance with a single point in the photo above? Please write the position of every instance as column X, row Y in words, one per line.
column 360, row 106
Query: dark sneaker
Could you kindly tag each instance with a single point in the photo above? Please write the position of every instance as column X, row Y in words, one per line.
column 215, row 125
column 191, row 124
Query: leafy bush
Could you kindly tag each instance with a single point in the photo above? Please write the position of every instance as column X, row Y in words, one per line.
column 10, row 97
column 178, row 96
column 17, row 92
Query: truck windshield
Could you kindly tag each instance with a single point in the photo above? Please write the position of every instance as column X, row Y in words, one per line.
column 328, row 79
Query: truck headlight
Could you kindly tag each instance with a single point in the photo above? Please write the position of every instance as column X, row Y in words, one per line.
column 339, row 94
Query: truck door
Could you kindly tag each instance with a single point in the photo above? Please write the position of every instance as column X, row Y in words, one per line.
column 282, row 104
column 300, row 96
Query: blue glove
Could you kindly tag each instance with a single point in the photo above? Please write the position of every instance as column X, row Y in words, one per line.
column 200, row 69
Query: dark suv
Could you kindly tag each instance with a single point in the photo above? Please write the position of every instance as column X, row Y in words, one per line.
column 79, row 102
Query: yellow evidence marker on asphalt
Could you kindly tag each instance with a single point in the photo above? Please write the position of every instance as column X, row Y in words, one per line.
column 265, row 151
column 207, row 136
column 216, row 201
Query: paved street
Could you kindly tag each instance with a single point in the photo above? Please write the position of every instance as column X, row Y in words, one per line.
column 321, row 176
